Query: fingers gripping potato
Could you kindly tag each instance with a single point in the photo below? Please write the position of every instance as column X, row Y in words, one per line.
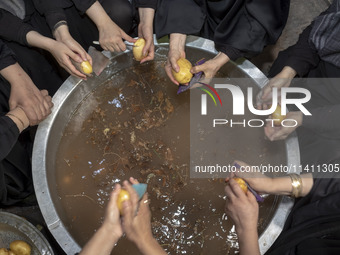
column 137, row 49
column 184, row 75
column 242, row 184
column 123, row 196
column 20, row 247
column 86, row 67
column 277, row 117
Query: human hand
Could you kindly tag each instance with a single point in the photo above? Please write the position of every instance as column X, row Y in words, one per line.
column 63, row 35
column 176, row 51
column 257, row 180
column 24, row 94
column 283, row 79
column 145, row 30
column 211, row 67
column 112, row 223
column 111, row 37
column 137, row 227
column 274, row 133
column 242, row 208
column 63, row 54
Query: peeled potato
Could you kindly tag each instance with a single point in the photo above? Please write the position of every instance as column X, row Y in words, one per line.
column 20, row 247
column 277, row 115
column 123, row 196
column 242, row 184
column 184, row 75
column 137, row 49
column 4, row 251
column 86, row 67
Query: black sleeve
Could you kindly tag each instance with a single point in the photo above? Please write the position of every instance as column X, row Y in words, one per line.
column 7, row 56
column 250, row 26
column 146, row 4
column 52, row 12
column 178, row 16
column 302, row 56
column 324, row 120
column 9, row 134
column 83, row 5
column 13, row 28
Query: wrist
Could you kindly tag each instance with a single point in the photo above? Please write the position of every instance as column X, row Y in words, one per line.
column 110, row 233
column 61, row 32
column 144, row 243
column 221, row 59
column 177, row 41
column 18, row 116
column 288, row 72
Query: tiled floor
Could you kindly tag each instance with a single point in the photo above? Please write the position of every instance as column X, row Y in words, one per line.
column 301, row 14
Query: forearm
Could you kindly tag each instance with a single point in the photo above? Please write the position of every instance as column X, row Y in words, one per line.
column 283, row 185
column 248, row 242
column 102, row 243
column 150, row 247
column 146, row 16
column 37, row 40
column 98, row 15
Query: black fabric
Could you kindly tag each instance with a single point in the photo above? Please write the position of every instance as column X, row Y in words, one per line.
column 7, row 56
column 15, row 165
column 146, row 3
column 12, row 28
column 325, row 35
column 238, row 28
column 314, row 219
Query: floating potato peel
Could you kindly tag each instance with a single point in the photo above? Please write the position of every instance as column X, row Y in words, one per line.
column 195, row 79
column 140, row 188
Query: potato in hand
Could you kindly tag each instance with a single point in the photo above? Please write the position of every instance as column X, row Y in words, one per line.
column 277, row 117
column 184, row 75
column 137, row 49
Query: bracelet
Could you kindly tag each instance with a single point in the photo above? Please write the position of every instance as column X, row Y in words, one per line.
column 58, row 24
column 22, row 123
column 296, row 185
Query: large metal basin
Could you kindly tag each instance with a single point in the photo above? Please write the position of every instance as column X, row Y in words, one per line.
column 67, row 99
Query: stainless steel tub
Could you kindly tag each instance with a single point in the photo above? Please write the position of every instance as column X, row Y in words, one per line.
column 66, row 101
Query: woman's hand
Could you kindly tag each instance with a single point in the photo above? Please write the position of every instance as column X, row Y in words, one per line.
column 283, row 79
column 24, row 94
column 211, row 67
column 145, row 30
column 274, row 133
column 63, row 35
column 254, row 177
column 176, row 51
column 244, row 211
column 112, row 216
column 111, row 37
column 63, row 54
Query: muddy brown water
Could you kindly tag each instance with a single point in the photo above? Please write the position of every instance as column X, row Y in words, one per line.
column 135, row 125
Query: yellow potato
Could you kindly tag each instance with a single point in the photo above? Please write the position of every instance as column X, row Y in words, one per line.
column 11, row 253
column 20, row 247
column 277, row 115
column 86, row 67
column 242, row 184
column 184, row 75
column 123, row 196
column 137, row 49
column 4, row 251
